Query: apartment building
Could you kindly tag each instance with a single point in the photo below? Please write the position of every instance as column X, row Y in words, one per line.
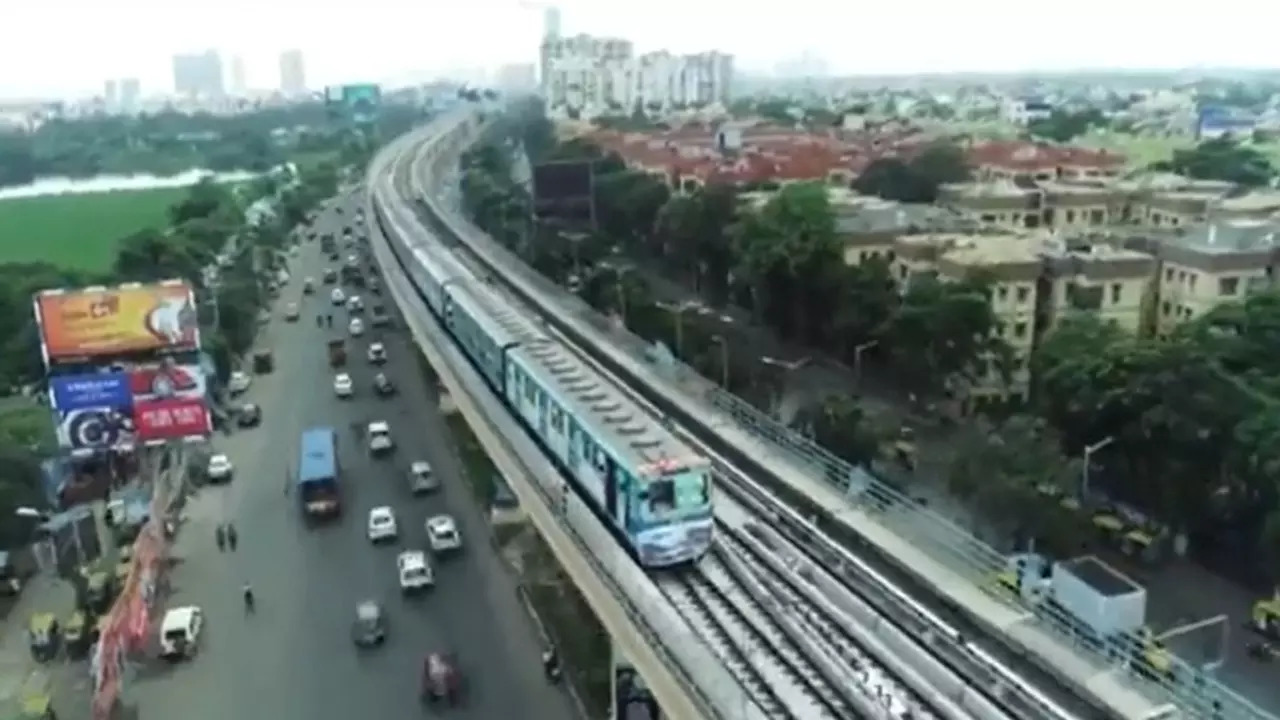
column 1036, row 281
column 1218, row 262
column 587, row 76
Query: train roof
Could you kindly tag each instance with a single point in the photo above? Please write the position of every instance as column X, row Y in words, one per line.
column 438, row 262
column 639, row 441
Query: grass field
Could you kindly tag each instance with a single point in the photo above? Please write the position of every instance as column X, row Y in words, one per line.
column 79, row 231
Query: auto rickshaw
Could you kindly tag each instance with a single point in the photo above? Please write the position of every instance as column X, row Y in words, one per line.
column 1265, row 618
column 38, row 707
column 75, row 635
column 43, row 634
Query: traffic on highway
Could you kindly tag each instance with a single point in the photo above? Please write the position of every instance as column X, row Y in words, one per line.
column 373, row 583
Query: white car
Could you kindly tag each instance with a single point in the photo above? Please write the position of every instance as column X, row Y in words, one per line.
column 342, row 385
column 377, row 353
column 414, row 571
column 180, row 632
column 442, row 534
column 355, row 327
column 382, row 524
column 239, row 382
column 355, row 304
column 380, row 440
column 421, row 478
column 291, row 312
column 337, row 296
column 220, row 468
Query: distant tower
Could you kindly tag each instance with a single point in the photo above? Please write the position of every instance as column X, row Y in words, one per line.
column 293, row 77
column 551, row 23
column 238, row 84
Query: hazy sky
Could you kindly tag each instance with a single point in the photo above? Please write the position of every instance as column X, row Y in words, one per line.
column 72, row 46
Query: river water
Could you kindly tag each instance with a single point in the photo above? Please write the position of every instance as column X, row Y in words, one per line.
column 111, row 183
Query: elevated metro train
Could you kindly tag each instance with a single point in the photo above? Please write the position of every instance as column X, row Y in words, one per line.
column 651, row 489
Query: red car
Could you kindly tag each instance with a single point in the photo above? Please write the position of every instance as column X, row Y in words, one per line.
column 441, row 681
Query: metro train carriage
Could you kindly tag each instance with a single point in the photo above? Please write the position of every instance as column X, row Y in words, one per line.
column 481, row 338
column 650, row 488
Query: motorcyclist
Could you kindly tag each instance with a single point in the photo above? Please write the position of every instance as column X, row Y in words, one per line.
column 329, row 320
column 248, row 597
column 232, row 538
column 319, row 320
column 220, row 535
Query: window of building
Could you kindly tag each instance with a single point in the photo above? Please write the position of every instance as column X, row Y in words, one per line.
column 1002, row 293
column 1228, row 285
column 1071, row 216
column 1191, row 280
column 1166, row 307
column 1116, row 289
column 1023, row 294
column 1020, row 330
column 1096, row 217
column 1168, row 275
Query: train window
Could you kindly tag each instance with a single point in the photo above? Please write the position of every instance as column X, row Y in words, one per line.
column 602, row 460
column 588, row 449
column 662, row 496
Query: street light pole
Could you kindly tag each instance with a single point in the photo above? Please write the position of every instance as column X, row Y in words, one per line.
column 1089, row 450
column 724, row 359
column 678, row 310
column 857, row 358
column 787, row 368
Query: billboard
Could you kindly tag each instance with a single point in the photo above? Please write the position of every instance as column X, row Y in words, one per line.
column 174, row 418
column 109, row 321
column 140, row 403
column 564, row 192
column 360, row 102
column 92, row 390
column 94, row 429
column 164, row 380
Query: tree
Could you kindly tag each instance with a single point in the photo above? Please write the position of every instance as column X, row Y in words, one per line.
column 1064, row 126
column 789, row 252
column 839, row 424
column 918, row 179
column 1014, row 475
column 1221, row 159
column 942, row 331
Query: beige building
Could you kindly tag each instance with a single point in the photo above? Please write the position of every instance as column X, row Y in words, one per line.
column 1037, row 280
column 1217, row 262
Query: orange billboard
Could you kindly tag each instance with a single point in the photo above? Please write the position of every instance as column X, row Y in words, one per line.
column 107, row 321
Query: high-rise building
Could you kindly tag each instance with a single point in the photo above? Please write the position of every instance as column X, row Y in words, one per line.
column 130, row 94
column 293, row 77
column 551, row 23
column 238, row 84
column 110, row 93
column 198, row 75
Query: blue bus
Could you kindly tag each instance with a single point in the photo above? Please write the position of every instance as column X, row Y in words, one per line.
column 318, row 473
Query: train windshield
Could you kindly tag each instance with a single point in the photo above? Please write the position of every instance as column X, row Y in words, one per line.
column 677, row 496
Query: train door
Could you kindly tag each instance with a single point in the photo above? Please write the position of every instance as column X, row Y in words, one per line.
column 614, row 490
column 573, row 456
column 542, row 416
column 610, row 480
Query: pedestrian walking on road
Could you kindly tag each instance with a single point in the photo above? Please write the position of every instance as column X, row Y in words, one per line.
column 231, row 536
column 220, row 535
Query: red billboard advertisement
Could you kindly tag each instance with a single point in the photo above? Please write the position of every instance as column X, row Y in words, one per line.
column 173, row 418
column 99, row 321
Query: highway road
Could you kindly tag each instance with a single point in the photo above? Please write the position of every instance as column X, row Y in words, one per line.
column 295, row 658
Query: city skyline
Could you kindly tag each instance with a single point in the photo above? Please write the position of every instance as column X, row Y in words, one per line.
column 904, row 38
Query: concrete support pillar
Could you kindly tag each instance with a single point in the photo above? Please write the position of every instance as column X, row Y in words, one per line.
column 631, row 697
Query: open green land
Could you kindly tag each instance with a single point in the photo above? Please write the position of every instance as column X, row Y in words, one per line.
column 79, row 231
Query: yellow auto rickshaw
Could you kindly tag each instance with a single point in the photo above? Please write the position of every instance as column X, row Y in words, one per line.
column 43, row 634
column 38, row 707
column 75, row 635
column 100, row 591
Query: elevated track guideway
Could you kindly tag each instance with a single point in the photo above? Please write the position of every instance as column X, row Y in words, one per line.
column 791, row 629
column 922, row 551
